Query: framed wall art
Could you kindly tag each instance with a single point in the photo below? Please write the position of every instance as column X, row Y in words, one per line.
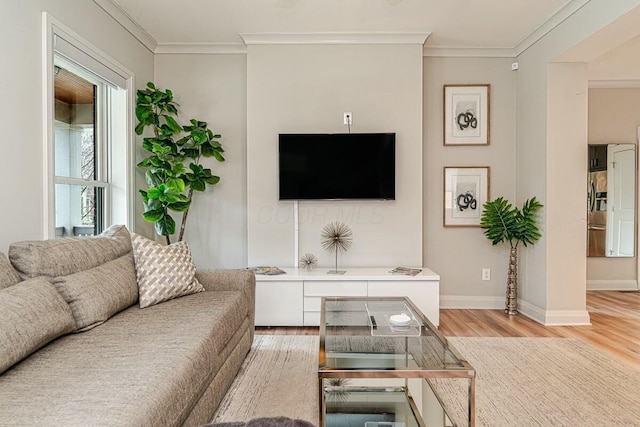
column 466, row 114
column 466, row 190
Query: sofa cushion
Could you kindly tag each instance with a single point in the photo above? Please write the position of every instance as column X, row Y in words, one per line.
column 141, row 367
column 97, row 294
column 8, row 275
column 163, row 272
column 32, row 313
column 65, row 256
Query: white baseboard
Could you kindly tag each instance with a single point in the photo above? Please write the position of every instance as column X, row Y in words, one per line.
column 472, row 302
column 531, row 311
column 612, row 285
column 554, row 317
column 544, row 317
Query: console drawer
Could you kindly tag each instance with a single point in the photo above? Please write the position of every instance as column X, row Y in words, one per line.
column 331, row 288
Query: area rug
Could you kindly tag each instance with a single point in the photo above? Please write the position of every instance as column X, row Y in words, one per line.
column 545, row 382
column 278, row 378
column 520, row 382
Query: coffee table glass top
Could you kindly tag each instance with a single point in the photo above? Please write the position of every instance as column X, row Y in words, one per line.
column 387, row 333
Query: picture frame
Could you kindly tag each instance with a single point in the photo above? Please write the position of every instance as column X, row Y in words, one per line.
column 466, row 190
column 467, row 114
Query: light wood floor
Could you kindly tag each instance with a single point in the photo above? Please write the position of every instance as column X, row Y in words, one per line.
column 615, row 325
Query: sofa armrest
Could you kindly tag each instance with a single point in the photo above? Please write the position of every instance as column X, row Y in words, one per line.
column 232, row 280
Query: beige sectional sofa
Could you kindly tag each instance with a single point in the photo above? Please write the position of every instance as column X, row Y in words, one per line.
column 76, row 349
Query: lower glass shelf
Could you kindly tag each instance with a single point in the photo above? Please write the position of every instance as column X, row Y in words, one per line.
column 368, row 407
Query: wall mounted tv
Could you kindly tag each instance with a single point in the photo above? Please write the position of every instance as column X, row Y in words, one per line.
column 337, row 166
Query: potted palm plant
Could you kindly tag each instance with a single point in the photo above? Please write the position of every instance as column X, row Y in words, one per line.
column 503, row 222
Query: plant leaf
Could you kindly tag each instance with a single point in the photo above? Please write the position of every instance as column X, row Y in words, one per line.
column 173, row 124
column 498, row 221
column 166, row 226
column 218, row 156
column 198, row 184
column 212, row 180
column 179, row 206
column 153, row 215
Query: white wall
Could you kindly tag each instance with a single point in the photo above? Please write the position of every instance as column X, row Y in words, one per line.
column 614, row 117
column 548, row 295
column 618, row 65
column 460, row 254
column 22, row 91
column 212, row 88
column 565, row 223
column 306, row 88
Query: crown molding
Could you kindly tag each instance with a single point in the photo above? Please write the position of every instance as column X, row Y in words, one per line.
column 468, row 52
column 563, row 13
column 614, row 84
column 201, row 48
column 334, row 38
column 122, row 18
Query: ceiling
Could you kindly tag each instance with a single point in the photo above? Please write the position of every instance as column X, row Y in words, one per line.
column 72, row 89
column 489, row 24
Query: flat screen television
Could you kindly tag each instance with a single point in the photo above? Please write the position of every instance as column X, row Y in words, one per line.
column 337, row 166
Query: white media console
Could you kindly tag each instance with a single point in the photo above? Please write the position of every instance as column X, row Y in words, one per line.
column 293, row 299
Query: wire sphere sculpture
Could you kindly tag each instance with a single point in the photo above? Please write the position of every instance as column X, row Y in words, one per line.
column 336, row 237
column 308, row 261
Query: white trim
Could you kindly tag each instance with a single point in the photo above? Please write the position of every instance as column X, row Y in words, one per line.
column 468, row 52
column 567, row 318
column 531, row 311
column 129, row 24
column 471, row 302
column 81, row 182
column 48, row 161
column 562, row 14
column 613, row 84
column 51, row 27
column 201, row 48
column 296, row 233
column 554, row 317
column 131, row 154
column 335, row 38
column 612, row 285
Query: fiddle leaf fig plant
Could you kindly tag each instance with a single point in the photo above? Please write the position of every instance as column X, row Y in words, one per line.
column 173, row 165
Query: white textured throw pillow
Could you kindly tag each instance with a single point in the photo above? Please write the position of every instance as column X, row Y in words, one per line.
column 163, row 272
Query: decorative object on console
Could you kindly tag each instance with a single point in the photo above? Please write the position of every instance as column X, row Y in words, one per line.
column 171, row 146
column 466, row 114
column 336, row 237
column 466, row 189
column 268, row 271
column 502, row 222
column 308, row 261
column 406, row 271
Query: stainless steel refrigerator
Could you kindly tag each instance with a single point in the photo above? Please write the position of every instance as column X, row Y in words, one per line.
column 597, row 214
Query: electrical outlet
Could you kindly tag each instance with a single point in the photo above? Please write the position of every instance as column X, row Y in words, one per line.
column 348, row 119
column 486, row 274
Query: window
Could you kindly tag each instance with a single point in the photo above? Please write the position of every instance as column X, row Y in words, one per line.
column 81, row 163
column 89, row 155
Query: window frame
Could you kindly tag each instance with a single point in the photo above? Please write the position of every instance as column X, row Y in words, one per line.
column 106, row 141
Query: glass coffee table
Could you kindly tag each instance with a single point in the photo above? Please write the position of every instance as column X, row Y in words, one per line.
column 377, row 362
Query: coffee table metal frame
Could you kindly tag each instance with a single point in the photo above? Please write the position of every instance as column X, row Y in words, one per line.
column 464, row 370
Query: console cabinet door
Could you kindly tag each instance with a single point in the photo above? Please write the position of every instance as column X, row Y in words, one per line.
column 279, row 303
column 425, row 294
